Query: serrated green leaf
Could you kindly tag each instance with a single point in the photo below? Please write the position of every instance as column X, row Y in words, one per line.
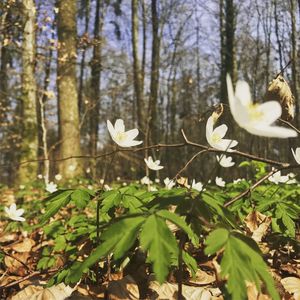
column 60, row 243
column 113, row 199
column 81, row 198
column 118, row 238
column 190, row 262
column 216, row 241
column 179, row 221
column 158, row 240
column 55, row 205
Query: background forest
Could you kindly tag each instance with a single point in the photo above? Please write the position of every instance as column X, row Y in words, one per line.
column 69, row 66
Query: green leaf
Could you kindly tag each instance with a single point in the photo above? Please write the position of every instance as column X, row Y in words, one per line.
column 81, row 198
column 190, row 262
column 158, row 240
column 111, row 200
column 118, row 237
column 60, row 243
column 180, row 222
column 216, row 240
column 60, row 200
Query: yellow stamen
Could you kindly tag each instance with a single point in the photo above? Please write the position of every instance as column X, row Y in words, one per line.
column 254, row 113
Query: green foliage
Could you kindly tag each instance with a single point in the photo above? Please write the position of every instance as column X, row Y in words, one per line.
column 241, row 262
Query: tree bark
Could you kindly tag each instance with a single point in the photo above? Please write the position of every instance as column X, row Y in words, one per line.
column 95, row 81
column 67, row 89
column 137, row 74
column 29, row 147
column 154, row 85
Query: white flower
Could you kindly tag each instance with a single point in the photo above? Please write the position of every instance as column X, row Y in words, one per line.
column 120, row 136
column 224, row 161
column 169, row 183
column 14, row 214
column 153, row 165
column 58, row 177
column 215, row 136
column 88, row 170
column 51, row 187
column 40, row 176
column 21, row 187
column 146, row 180
column 90, row 187
column 152, row 189
column 296, row 154
column 72, row 168
column 237, row 180
column 124, row 183
column 257, row 119
column 219, row 181
column 101, row 181
column 107, row 187
column 157, row 180
column 197, row 185
column 277, row 178
column 118, row 178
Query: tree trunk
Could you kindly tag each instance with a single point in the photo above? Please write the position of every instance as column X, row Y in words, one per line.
column 277, row 35
column 67, row 90
column 29, row 148
column 95, row 82
column 137, row 75
column 154, row 85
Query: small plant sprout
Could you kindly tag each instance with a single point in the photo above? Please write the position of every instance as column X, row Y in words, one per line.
column 296, row 154
column 153, row 165
column 120, row 136
column 51, row 187
column 197, row 185
column 225, row 161
column 220, row 182
column 256, row 118
column 169, row 183
column 15, row 214
column 215, row 137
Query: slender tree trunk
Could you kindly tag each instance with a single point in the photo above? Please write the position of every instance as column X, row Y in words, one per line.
column 144, row 41
column 154, row 85
column 67, row 89
column 294, row 58
column 277, row 35
column 82, row 63
column 223, row 88
column 95, row 81
column 137, row 75
column 29, row 148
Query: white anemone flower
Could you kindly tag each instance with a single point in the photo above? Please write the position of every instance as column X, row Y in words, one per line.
column 120, row 136
column 225, row 161
column 220, row 182
column 256, row 118
column 278, row 178
column 197, row 185
column 153, row 165
column 58, row 177
column 14, row 214
column 296, row 154
column 146, row 180
column 51, row 187
column 169, row 183
column 215, row 137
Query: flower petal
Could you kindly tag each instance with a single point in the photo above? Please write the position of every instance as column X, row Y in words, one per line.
column 272, row 131
column 119, row 126
column 20, row 212
column 242, row 93
column 271, row 110
column 297, row 158
column 111, row 129
column 209, row 128
column 132, row 134
column 221, row 130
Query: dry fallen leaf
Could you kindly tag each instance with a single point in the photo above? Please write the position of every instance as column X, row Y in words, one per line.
column 253, row 294
column 56, row 292
column 125, row 288
column 219, row 109
column 292, row 286
column 24, row 246
column 258, row 224
column 169, row 291
column 203, row 278
column 183, row 181
column 279, row 90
